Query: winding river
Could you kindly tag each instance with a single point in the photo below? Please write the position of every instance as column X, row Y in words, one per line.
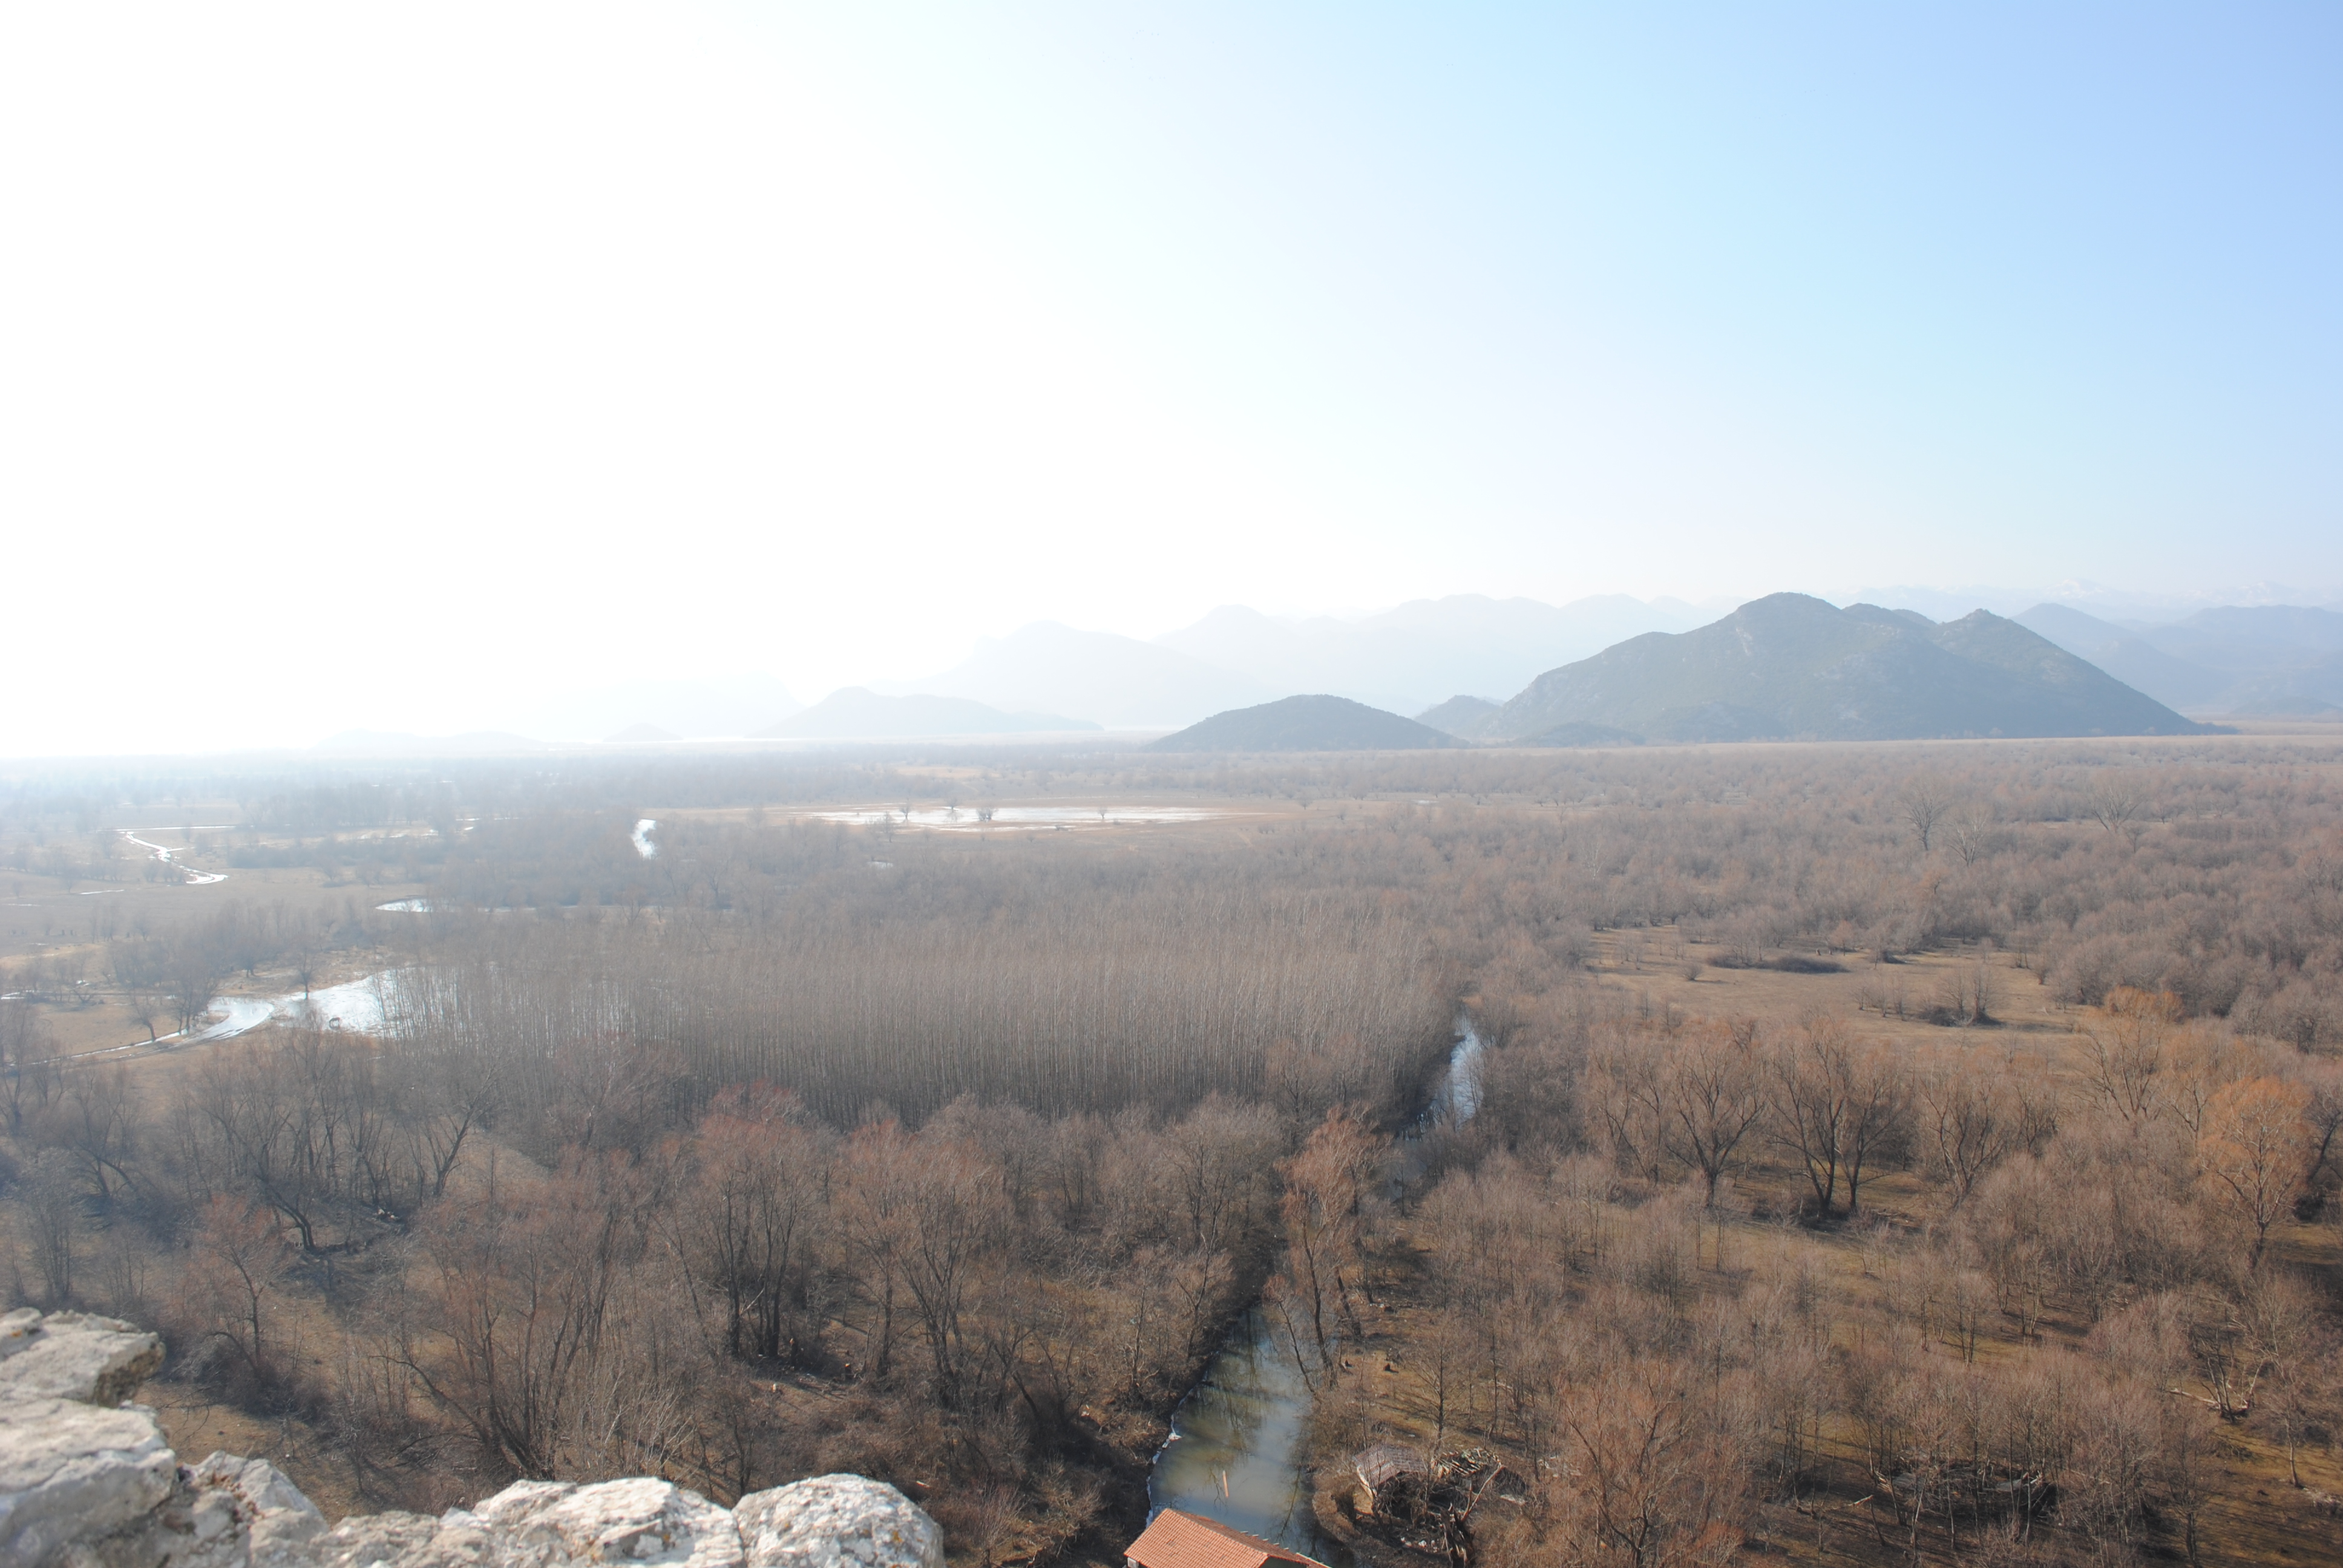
column 1236, row 1439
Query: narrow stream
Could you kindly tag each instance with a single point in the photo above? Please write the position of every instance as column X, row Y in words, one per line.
column 1236, row 1439
column 1231, row 1455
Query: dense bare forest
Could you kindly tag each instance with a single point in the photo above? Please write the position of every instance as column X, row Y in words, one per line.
column 1891, row 1152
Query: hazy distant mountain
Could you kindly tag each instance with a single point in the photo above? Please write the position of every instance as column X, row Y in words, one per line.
column 2241, row 636
column 717, row 707
column 2278, row 659
column 1412, row 656
column 856, row 713
column 398, row 743
column 1460, row 716
column 642, row 735
column 1118, row 681
column 2234, row 659
column 2126, row 654
column 2283, row 704
column 1945, row 603
column 1315, row 723
column 2131, row 609
column 2071, row 629
column 1793, row 667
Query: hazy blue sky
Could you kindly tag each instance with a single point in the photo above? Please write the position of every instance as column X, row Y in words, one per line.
column 357, row 367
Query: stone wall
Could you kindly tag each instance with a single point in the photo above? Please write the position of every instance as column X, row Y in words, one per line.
column 87, row 1482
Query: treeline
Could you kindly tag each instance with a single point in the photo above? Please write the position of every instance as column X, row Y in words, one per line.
column 47, row 800
column 1049, row 985
column 371, row 859
column 105, row 856
column 2217, row 877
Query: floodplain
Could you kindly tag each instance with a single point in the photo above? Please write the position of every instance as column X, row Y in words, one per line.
column 1876, row 1153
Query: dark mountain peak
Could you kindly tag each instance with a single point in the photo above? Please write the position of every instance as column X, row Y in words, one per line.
column 1785, row 609
column 1791, row 665
column 1314, row 723
column 1787, row 603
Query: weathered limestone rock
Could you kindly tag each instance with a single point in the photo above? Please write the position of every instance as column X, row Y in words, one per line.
column 455, row 1540
column 72, row 1472
column 83, row 1485
column 837, row 1521
column 554, row 1524
column 73, row 1355
column 281, row 1526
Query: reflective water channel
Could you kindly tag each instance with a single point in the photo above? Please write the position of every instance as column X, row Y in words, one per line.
column 1236, row 1439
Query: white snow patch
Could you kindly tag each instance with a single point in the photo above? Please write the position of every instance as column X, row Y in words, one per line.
column 245, row 1013
column 360, row 1006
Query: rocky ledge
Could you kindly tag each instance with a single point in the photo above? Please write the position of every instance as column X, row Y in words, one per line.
column 87, row 1482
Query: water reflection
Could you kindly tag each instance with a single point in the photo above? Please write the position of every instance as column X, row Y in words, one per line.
column 1458, row 1097
column 1234, row 1442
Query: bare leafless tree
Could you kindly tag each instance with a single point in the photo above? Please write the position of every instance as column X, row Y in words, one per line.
column 1924, row 802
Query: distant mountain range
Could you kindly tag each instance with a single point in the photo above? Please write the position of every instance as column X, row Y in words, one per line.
column 715, row 706
column 1421, row 655
column 1584, row 673
column 1404, row 659
column 1312, row 723
column 2123, row 606
column 399, row 743
column 1401, row 659
column 1790, row 666
column 2244, row 659
column 857, row 714
column 1118, row 681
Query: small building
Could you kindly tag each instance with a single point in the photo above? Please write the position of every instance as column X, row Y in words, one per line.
column 1385, row 1462
column 1176, row 1540
column 1393, row 1482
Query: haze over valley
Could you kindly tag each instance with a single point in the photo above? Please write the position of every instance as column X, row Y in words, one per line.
column 2267, row 661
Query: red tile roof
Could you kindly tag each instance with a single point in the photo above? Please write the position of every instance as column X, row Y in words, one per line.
column 1177, row 1540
